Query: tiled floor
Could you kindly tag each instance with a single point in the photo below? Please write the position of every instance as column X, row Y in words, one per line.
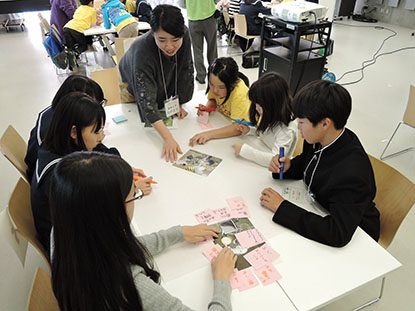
column 28, row 82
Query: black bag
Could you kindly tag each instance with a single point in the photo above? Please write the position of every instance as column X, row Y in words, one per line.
column 250, row 60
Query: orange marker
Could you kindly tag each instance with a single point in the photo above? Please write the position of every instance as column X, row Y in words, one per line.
column 135, row 177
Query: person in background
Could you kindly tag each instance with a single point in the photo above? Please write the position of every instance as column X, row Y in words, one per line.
column 202, row 26
column 61, row 12
column 273, row 120
column 73, row 31
column 157, row 70
column 92, row 205
column 143, row 11
column 334, row 168
column 114, row 12
column 228, row 92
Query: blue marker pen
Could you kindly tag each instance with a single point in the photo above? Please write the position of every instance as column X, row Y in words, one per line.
column 282, row 163
column 243, row 122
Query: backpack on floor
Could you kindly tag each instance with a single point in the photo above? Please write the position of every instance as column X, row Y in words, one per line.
column 56, row 49
column 250, row 60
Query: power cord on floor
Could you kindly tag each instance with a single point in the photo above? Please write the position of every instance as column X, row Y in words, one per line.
column 375, row 56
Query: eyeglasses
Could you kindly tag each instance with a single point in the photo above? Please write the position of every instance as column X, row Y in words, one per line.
column 104, row 102
column 138, row 194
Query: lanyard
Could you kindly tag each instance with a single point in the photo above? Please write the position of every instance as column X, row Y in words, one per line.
column 320, row 151
column 162, row 74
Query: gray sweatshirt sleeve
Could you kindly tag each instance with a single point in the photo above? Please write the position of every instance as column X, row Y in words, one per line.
column 155, row 297
column 186, row 81
column 158, row 241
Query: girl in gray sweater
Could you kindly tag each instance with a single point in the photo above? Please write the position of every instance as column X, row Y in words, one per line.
column 98, row 264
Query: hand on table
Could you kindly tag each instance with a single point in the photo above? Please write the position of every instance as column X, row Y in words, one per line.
column 271, row 199
column 144, row 185
column 170, row 150
column 224, row 264
column 200, row 139
column 243, row 128
column 237, row 148
column 275, row 164
column 182, row 113
column 139, row 172
column 199, row 233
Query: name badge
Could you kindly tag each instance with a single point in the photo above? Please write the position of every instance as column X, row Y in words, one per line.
column 172, row 106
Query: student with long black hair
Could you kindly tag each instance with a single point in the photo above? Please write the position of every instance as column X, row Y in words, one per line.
column 228, row 93
column 74, row 83
column 77, row 124
column 97, row 262
column 273, row 120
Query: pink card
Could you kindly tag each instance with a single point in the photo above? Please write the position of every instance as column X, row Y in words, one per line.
column 250, row 280
column 222, row 214
column 236, row 202
column 206, row 126
column 203, row 117
column 237, row 280
column 269, row 253
column 205, row 216
column 256, row 258
column 212, row 252
column 249, row 238
column 238, row 207
column 268, row 274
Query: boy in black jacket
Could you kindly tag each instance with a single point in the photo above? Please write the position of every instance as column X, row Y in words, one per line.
column 334, row 167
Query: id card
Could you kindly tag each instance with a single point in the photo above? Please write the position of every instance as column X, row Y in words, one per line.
column 172, row 106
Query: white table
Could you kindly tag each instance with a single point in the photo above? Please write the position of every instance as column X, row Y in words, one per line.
column 313, row 274
column 100, row 30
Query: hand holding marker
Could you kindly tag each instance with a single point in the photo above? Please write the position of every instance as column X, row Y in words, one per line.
column 135, row 177
column 282, row 163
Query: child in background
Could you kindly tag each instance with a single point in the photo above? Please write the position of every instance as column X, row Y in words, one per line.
column 228, row 92
column 85, row 16
column 92, row 204
column 113, row 11
column 271, row 113
column 74, row 83
column 77, row 125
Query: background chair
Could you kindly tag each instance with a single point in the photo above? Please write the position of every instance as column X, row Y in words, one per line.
column 408, row 119
column 121, row 46
column 108, row 80
column 299, row 146
column 241, row 28
column 14, row 148
column 395, row 195
column 41, row 295
column 20, row 213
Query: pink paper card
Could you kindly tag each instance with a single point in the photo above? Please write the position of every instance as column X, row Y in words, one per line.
column 203, row 117
column 237, row 280
column 212, row 252
column 206, row 126
column 268, row 274
column 256, row 258
column 238, row 207
column 236, row 202
column 250, row 238
column 205, row 216
column 269, row 253
column 250, row 280
column 222, row 214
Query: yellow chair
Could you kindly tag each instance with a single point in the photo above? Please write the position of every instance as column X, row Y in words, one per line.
column 408, row 119
column 41, row 295
column 395, row 195
column 299, row 146
column 14, row 148
column 241, row 28
column 21, row 216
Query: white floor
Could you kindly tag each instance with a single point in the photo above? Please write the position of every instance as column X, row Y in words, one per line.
column 28, row 83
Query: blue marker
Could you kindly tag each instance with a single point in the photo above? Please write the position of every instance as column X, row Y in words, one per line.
column 243, row 122
column 282, row 163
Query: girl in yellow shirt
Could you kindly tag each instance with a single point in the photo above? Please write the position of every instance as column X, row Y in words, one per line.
column 228, row 93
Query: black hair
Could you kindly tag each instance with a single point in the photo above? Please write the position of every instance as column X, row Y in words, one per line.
column 94, row 247
column 272, row 93
column 86, row 2
column 78, row 83
column 169, row 18
column 323, row 99
column 226, row 69
column 74, row 109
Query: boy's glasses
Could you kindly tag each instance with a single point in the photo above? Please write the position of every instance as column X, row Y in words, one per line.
column 138, row 194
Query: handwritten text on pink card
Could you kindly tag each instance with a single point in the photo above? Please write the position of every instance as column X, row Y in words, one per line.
column 212, row 252
column 205, row 216
column 250, row 280
column 268, row 274
column 250, row 238
column 222, row 214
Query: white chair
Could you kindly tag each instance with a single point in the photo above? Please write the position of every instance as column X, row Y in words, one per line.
column 408, row 119
column 241, row 28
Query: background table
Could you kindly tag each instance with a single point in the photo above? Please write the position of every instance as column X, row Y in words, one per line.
column 313, row 274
